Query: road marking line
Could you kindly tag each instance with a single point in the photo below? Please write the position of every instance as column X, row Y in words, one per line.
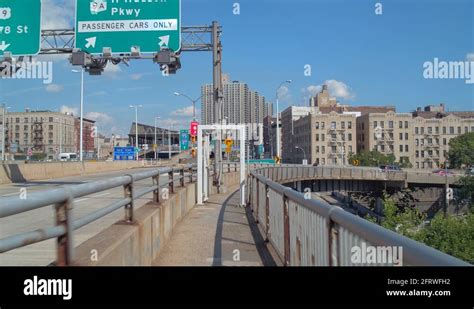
column 14, row 193
column 88, row 198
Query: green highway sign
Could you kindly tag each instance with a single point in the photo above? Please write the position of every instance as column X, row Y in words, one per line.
column 20, row 27
column 123, row 25
column 184, row 139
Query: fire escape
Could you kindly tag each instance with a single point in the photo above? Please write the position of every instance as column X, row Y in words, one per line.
column 38, row 144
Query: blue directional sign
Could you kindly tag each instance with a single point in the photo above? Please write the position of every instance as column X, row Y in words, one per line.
column 124, row 153
column 184, row 139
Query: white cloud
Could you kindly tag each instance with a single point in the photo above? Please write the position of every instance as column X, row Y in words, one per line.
column 57, row 14
column 470, row 57
column 137, row 76
column 100, row 118
column 112, row 70
column 54, row 88
column 337, row 89
column 70, row 110
column 184, row 112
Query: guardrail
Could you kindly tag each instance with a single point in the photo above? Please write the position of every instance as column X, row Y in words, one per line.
column 308, row 232
column 63, row 200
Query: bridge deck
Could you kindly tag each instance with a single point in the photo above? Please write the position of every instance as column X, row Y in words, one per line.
column 215, row 235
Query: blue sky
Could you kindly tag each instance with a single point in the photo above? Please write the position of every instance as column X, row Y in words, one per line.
column 368, row 59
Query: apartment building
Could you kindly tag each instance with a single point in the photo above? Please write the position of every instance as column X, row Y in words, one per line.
column 388, row 133
column 325, row 139
column 44, row 132
column 433, row 129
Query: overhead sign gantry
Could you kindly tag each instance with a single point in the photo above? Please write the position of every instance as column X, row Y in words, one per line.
column 123, row 26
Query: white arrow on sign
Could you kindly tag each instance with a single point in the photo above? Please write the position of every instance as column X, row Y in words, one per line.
column 4, row 46
column 164, row 40
column 91, row 42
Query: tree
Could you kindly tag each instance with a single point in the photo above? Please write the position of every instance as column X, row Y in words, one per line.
column 461, row 150
column 453, row 235
column 466, row 191
column 371, row 158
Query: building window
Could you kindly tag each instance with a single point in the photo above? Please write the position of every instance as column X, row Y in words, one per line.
column 430, row 141
column 333, row 125
column 437, row 130
column 400, row 124
column 17, row 120
column 406, row 148
column 417, row 142
column 375, row 124
column 406, row 136
column 322, row 137
column 444, row 141
column 343, row 125
column 50, row 127
column 406, row 124
column 382, row 148
column 317, row 137
column 25, row 128
column 422, row 153
column 390, row 124
column 25, row 120
column 350, row 148
column 401, row 136
column 417, row 154
column 323, row 150
column 322, row 125
column 317, row 149
column 459, row 130
column 349, row 124
column 382, row 124
column 317, row 125
column 466, row 130
column 417, row 164
column 430, row 130
column 444, row 130
column 51, row 119
column 416, row 130
column 401, row 148
column 451, row 130
column 422, row 130
column 349, row 137
column 334, row 149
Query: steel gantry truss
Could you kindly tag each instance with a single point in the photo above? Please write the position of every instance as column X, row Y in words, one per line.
column 61, row 41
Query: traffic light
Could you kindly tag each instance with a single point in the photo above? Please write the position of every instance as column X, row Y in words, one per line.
column 193, row 152
column 193, row 139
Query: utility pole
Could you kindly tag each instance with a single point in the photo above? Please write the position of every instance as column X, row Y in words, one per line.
column 136, row 126
column 278, row 119
column 218, row 98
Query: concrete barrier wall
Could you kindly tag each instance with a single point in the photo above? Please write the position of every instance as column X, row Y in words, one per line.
column 140, row 243
column 21, row 172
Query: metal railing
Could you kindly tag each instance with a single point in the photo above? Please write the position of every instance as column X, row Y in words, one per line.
column 309, row 232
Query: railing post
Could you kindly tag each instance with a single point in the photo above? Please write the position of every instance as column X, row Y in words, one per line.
column 333, row 239
column 257, row 187
column 267, row 213
column 128, row 190
column 191, row 171
column 171, row 179
column 65, row 246
column 286, row 230
column 156, row 193
column 181, row 175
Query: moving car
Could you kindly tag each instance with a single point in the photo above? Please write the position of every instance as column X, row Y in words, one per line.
column 68, row 157
column 442, row 172
column 393, row 168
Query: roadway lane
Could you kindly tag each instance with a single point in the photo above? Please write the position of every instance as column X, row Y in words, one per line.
column 43, row 253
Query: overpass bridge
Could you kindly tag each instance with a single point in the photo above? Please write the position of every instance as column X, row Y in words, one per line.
column 278, row 225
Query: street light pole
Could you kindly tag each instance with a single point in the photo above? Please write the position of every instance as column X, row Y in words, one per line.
column 178, row 94
column 156, row 144
column 278, row 119
column 81, row 130
column 136, row 127
column 304, row 153
column 4, row 111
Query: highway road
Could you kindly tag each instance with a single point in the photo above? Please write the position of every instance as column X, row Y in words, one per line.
column 43, row 253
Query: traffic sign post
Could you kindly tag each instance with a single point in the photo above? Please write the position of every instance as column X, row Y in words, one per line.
column 123, row 26
column 184, row 140
column 20, row 27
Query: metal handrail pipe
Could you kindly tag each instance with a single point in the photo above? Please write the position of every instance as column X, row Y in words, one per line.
column 28, row 238
column 89, row 218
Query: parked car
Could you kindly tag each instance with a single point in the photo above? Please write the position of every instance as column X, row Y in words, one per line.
column 442, row 172
column 392, row 168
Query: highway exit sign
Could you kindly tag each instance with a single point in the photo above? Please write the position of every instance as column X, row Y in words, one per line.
column 20, row 27
column 124, row 25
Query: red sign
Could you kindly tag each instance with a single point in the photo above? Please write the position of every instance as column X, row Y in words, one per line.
column 194, row 128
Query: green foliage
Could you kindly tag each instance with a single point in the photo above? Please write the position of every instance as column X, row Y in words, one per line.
column 466, row 184
column 453, row 235
column 372, row 158
column 405, row 221
column 461, row 150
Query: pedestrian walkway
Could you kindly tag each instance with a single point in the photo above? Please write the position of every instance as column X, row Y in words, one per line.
column 220, row 233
